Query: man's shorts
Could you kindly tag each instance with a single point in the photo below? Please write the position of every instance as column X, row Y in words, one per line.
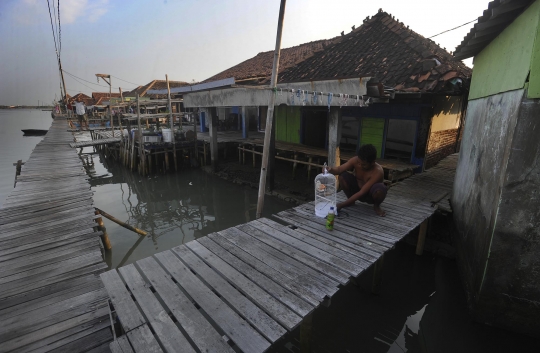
column 352, row 184
column 81, row 119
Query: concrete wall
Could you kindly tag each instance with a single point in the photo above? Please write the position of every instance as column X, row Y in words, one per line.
column 496, row 209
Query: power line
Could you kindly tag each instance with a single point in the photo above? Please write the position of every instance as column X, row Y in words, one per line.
column 73, row 77
column 118, row 78
column 97, row 84
column 55, row 47
column 59, row 29
column 451, row 29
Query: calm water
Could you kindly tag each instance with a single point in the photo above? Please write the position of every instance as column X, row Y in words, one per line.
column 422, row 306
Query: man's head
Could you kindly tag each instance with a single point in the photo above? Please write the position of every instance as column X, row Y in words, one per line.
column 366, row 156
column 79, row 99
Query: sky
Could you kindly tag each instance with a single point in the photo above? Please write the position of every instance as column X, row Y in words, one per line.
column 137, row 41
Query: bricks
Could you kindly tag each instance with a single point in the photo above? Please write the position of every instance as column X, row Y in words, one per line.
column 441, row 144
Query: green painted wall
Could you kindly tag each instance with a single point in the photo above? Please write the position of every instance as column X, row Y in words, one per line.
column 372, row 131
column 504, row 64
column 287, row 120
column 534, row 79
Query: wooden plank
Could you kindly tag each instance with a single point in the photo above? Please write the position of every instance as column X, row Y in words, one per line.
column 358, row 238
column 201, row 332
column 35, row 320
column 298, row 305
column 58, row 339
column 143, row 341
column 302, row 290
column 166, row 331
column 281, row 263
column 123, row 342
column 127, row 311
column 38, row 335
column 309, row 256
column 351, row 264
column 273, row 307
column 243, row 335
column 269, row 328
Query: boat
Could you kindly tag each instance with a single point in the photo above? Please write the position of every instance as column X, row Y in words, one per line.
column 34, row 132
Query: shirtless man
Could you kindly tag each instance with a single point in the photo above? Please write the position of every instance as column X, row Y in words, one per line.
column 366, row 184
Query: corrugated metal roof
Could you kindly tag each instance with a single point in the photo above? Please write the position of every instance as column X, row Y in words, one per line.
column 498, row 15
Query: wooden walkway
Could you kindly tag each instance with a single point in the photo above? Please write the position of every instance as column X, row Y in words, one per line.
column 247, row 286
column 95, row 142
column 51, row 296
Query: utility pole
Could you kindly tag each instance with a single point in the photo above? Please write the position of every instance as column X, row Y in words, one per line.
column 104, row 77
column 270, row 114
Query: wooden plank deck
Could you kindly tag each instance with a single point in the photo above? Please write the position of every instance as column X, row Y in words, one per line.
column 51, row 296
column 247, row 286
column 95, row 142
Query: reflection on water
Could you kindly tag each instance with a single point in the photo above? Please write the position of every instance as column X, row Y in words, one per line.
column 173, row 208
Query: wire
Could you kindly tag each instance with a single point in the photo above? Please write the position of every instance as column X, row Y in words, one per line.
column 73, row 77
column 451, row 29
column 118, row 78
column 97, row 84
column 59, row 29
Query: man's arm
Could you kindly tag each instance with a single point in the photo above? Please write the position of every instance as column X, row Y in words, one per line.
column 342, row 168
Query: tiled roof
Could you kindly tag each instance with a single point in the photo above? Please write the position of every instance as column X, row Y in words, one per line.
column 155, row 84
column 387, row 50
column 260, row 66
column 493, row 21
column 85, row 99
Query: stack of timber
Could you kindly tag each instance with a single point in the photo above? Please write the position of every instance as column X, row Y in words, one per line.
column 51, row 296
column 247, row 286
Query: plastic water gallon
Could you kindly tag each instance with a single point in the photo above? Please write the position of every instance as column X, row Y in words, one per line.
column 167, row 135
column 325, row 193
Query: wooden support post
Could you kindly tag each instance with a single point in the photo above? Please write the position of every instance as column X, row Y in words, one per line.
column 204, row 152
column 310, row 160
column 119, row 222
column 245, row 124
column 104, row 236
column 334, row 137
column 240, row 147
column 253, row 149
column 166, row 158
column 295, row 165
column 421, row 237
column 305, row 333
column 267, row 168
column 377, row 275
column 171, row 121
column 212, row 126
column 142, row 161
column 271, row 169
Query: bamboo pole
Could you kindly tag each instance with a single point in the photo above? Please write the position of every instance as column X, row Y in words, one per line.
column 270, row 113
column 172, row 125
column 119, row 222
column 104, row 236
column 141, row 157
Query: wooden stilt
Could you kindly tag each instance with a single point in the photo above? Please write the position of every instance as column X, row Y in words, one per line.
column 310, row 160
column 166, row 159
column 119, row 222
column 295, row 165
column 305, row 333
column 421, row 237
column 104, row 236
column 253, row 154
column 377, row 276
